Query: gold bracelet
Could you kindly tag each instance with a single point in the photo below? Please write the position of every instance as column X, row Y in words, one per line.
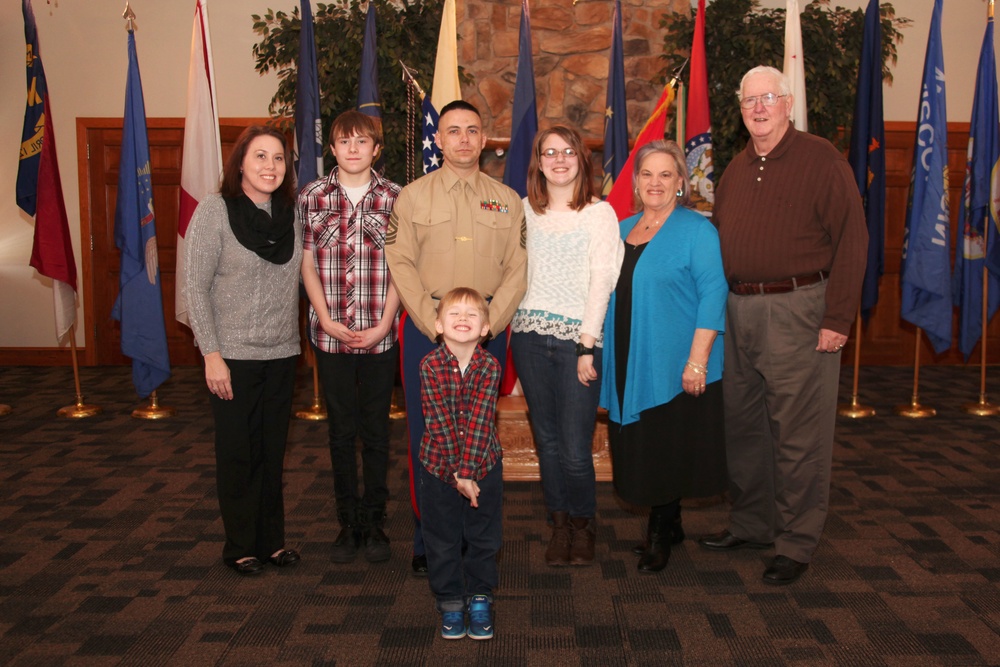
column 697, row 368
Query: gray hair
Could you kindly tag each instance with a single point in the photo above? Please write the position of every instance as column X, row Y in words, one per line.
column 776, row 74
column 666, row 148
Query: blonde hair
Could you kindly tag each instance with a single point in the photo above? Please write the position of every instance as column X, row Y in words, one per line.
column 466, row 295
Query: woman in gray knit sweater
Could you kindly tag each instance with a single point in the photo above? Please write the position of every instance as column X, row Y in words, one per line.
column 243, row 254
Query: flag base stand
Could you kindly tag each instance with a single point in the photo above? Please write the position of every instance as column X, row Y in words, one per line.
column 397, row 410
column 981, row 408
column 855, row 410
column 317, row 411
column 80, row 410
column 314, row 412
column 154, row 410
column 914, row 410
column 4, row 410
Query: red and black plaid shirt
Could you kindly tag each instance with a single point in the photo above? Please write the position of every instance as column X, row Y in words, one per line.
column 348, row 247
column 460, row 434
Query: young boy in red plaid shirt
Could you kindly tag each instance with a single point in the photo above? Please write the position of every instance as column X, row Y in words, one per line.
column 353, row 325
column 462, row 473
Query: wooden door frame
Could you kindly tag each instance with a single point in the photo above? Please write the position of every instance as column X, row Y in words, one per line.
column 88, row 356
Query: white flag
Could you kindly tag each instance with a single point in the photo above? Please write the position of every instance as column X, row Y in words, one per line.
column 446, row 88
column 201, row 163
column 795, row 66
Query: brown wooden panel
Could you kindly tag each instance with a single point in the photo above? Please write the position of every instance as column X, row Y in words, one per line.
column 99, row 145
column 887, row 339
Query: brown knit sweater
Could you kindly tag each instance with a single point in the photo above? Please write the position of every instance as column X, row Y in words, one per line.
column 792, row 213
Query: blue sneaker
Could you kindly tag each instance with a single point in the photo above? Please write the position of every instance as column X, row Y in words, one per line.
column 480, row 617
column 452, row 624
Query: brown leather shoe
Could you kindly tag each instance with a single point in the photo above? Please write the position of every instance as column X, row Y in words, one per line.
column 581, row 550
column 557, row 553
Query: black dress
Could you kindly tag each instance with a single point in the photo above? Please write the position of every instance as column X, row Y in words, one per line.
column 675, row 450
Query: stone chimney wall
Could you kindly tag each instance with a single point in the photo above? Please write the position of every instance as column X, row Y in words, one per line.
column 571, row 48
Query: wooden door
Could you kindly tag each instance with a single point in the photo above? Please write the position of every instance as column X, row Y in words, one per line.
column 99, row 142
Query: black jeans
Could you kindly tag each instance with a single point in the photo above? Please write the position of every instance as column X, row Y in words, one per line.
column 358, row 391
column 250, row 435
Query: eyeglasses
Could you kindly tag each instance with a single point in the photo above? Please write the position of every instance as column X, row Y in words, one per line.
column 768, row 100
column 551, row 153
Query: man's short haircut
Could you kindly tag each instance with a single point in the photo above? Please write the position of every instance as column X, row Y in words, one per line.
column 466, row 295
column 459, row 105
column 776, row 74
column 353, row 123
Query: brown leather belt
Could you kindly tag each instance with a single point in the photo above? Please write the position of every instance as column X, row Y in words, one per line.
column 779, row 286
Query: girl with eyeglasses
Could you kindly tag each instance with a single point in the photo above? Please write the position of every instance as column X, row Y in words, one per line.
column 574, row 255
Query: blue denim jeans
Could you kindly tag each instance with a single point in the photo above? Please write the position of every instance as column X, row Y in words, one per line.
column 563, row 413
column 448, row 521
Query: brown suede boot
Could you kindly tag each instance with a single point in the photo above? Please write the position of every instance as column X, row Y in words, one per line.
column 557, row 553
column 581, row 550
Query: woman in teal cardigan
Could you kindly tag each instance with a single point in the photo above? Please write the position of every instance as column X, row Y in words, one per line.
column 663, row 359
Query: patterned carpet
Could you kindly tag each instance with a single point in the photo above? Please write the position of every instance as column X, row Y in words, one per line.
column 110, row 545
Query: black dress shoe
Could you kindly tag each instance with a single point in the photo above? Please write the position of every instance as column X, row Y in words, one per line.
column 247, row 566
column 726, row 541
column 783, row 570
column 419, row 565
column 285, row 557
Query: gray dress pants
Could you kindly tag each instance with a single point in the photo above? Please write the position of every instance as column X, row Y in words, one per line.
column 781, row 403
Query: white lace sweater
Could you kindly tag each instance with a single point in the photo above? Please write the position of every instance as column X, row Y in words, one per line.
column 573, row 262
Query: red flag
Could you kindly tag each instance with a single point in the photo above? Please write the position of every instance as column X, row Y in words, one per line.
column 52, row 249
column 698, row 133
column 201, row 164
column 620, row 197
column 40, row 188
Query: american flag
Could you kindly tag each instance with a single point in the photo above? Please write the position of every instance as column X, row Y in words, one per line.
column 429, row 122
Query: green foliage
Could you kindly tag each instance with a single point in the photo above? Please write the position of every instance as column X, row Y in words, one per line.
column 407, row 31
column 740, row 35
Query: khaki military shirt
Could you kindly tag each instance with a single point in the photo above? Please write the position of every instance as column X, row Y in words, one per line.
column 446, row 232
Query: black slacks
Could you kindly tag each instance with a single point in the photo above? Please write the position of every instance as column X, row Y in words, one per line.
column 250, row 435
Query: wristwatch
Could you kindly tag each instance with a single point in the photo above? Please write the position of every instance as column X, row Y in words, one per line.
column 581, row 350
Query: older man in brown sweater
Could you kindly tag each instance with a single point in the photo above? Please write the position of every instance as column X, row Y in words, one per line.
column 794, row 242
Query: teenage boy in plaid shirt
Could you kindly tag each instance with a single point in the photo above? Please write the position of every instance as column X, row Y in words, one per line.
column 353, row 325
column 461, row 476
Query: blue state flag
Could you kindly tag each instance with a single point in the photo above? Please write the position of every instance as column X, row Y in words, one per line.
column 139, row 306
column 308, row 123
column 867, row 153
column 978, row 216
column 524, row 122
column 615, row 115
column 33, row 130
column 430, row 153
column 369, row 101
column 926, row 275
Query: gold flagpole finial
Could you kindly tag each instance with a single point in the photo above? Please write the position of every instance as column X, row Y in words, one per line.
column 129, row 17
column 675, row 79
column 989, row 10
column 409, row 76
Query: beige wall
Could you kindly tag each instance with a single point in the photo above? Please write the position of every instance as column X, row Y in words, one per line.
column 83, row 47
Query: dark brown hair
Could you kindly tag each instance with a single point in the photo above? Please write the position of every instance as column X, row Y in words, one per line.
column 232, row 176
column 353, row 123
column 538, row 193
